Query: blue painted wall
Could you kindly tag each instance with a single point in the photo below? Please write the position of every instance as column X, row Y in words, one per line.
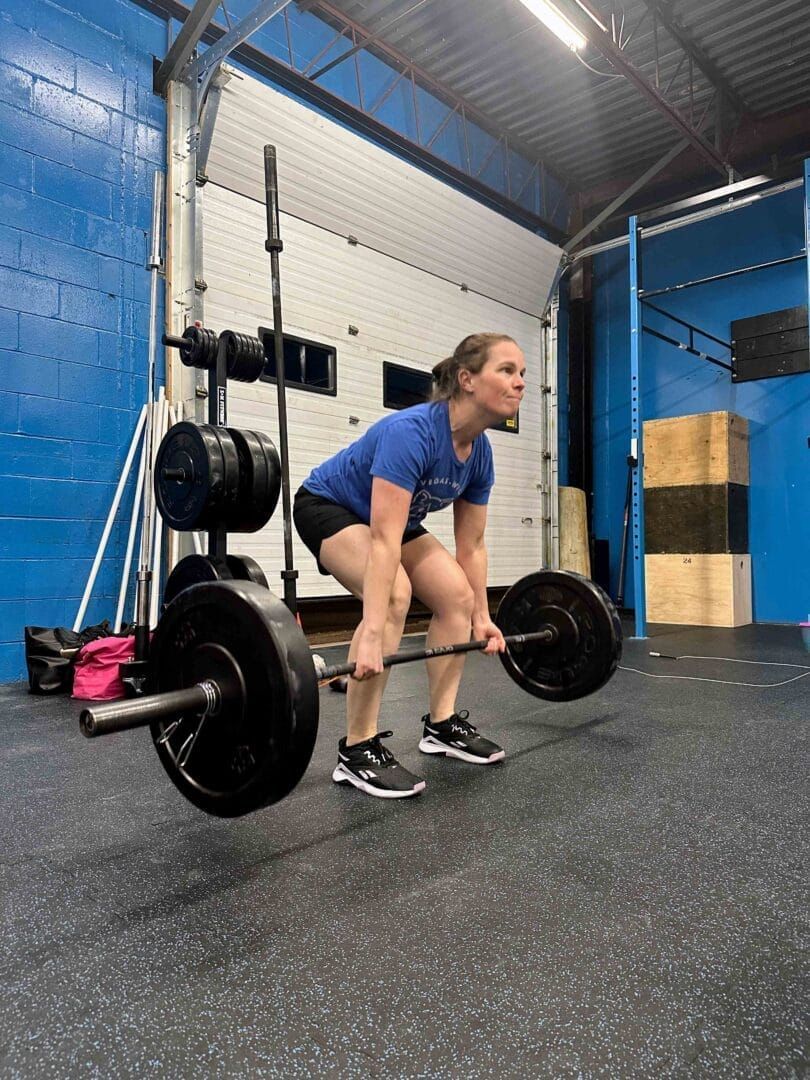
column 80, row 136
column 673, row 384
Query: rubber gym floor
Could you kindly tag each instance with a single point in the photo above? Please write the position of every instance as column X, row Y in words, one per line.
column 625, row 896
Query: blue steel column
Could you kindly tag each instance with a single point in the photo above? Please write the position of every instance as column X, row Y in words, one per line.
column 636, row 444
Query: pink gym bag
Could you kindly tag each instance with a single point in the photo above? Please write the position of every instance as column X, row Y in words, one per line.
column 96, row 675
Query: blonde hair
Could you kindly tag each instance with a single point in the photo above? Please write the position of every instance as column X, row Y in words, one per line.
column 469, row 355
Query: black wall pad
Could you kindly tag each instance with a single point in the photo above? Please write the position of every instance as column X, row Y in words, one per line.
column 704, row 519
column 765, row 346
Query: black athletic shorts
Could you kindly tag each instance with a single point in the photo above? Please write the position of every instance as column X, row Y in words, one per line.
column 316, row 519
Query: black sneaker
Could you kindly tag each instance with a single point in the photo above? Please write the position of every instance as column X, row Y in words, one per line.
column 457, row 738
column 372, row 767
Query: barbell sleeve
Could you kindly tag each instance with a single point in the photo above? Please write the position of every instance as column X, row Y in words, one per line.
column 204, row 697
column 180, row 475
column 547, row 634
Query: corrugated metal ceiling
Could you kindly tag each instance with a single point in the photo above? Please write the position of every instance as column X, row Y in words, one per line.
column 593, row 127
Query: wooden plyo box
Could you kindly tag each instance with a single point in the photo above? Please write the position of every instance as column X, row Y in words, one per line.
column 704, row 448
column 699, row 590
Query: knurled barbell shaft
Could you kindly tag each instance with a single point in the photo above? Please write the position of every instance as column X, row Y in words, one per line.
column 546, row 633
column 140, row 712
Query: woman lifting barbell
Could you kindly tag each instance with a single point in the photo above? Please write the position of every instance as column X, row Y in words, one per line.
column 360, row 513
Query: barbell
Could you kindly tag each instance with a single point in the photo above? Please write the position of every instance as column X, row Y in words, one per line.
column 233, row 707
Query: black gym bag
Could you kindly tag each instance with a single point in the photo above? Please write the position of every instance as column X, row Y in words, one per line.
column 50, row 654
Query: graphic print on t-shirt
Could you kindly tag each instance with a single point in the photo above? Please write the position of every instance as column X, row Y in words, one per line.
column 445, row 491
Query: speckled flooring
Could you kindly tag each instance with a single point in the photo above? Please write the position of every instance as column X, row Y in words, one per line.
column 625, row 896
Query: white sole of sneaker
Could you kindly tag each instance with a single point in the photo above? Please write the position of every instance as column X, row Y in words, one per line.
column 342, row 775
column 429, row 745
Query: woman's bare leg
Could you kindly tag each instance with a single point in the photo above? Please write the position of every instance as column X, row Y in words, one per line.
column 442, row 586
column 345, row 556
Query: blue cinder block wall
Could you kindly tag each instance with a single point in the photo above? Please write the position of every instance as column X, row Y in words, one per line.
column 81, row 134
column 674, row 383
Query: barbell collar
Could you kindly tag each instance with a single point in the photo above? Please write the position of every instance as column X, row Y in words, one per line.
column 204, row 698
column 547, row 634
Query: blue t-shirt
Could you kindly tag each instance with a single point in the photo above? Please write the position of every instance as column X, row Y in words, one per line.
column 414, row 450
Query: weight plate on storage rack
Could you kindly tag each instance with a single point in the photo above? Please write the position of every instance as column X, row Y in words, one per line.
column 244, row 356
column 243, row 568
column 588, row 643
column 259, row 480
column 253, row 482
column 230, row 489
column 196, row 570
column 273, row 475
column 255, row 749
column 200, row 348
column 189, row 477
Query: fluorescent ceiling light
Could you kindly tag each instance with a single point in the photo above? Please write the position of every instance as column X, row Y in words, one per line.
column 592, row 15
column 556, row 22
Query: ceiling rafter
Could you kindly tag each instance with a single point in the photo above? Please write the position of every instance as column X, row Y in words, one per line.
column 590, row 28
column 663, row 12
column 450, row 97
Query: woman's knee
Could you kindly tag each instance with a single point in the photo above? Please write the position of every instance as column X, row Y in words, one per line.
column 400, row 600
column 457, row 601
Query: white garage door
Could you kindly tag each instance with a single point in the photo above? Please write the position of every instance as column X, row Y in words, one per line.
column 425, row 266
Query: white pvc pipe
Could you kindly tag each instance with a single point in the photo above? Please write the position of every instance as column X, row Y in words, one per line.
column 133, row 528
column 149, row 540
column 105, row 536
column 162, row 416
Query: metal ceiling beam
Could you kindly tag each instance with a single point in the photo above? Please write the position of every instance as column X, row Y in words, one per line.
column 755, row 141
column 726, row 207
column 370, row 39
column 628, row 193
column 184, row 44
column 180, row 61
column 608, row 48
column 206, row 65
column 284, row 75
column 663, row 12
column 729, row 191
column 449, row 96
column 632, row 189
